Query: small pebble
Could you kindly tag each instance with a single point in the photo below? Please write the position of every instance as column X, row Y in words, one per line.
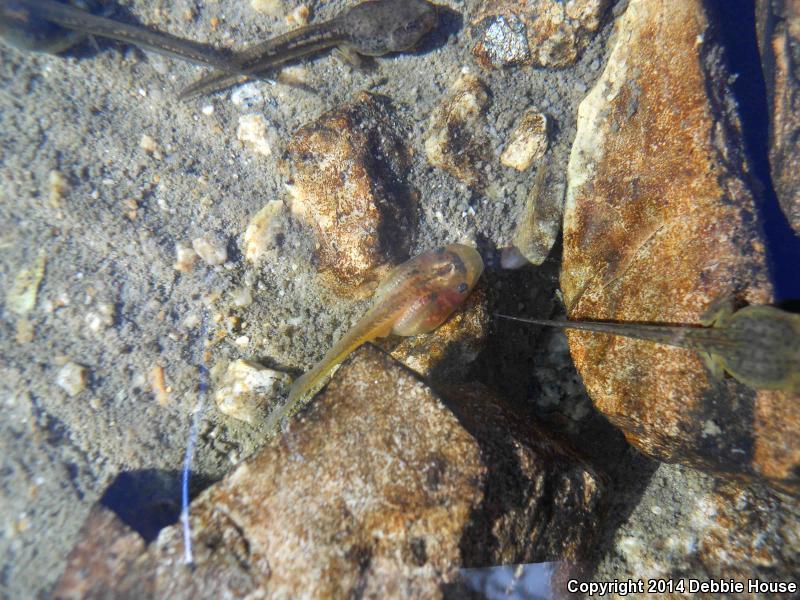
column 299, row 16
column 158, row 383
column 208, row 110
column 101, row 318
column 252, row 132
column 528, row 142
column 242, row 297
column 247, row 96
column 191, row 320
column 72, row 378
column 59, row 186
column 211, row 250
column 247, row 389
column 263, row 231
column 149, row 145
column 25, row 331
column 21, row 298
column 185, row 258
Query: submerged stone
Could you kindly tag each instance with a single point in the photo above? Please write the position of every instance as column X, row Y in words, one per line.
column 348, row 171
column 379, row 489
column 779, row 42
column 660, row 222
column 543, row 33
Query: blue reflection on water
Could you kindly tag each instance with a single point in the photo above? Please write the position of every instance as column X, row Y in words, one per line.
column 512, row 582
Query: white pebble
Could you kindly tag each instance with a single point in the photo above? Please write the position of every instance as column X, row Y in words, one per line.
column 242, row 297
column 262, row 232
column 252, row 132
column 247, row 96
column 211, row 250
column 184, row 258
column 72, row 378
column 149, row 145
column 248, row 389
column 101, row 318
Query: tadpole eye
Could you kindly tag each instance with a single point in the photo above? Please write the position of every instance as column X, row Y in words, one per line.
column 462, row 288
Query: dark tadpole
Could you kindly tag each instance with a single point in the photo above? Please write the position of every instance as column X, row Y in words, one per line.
column 51, row 26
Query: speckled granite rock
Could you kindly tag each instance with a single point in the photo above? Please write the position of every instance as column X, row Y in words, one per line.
column 457, row 140
column 544, row 33
column 347, row 173
column 378, row 490
column 779, row 42
column 688, row 525
column 750, row 531
column 659, row 222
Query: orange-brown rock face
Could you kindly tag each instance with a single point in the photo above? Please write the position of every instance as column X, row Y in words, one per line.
column 544, row 33
column 348, row 182
column 659, row 222
column 378, row 490
column 779, row 33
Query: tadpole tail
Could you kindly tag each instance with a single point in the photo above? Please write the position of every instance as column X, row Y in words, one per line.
column 682, row 336
column 255, row 62
column 76, row 19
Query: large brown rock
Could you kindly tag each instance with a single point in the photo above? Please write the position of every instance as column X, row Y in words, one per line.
column 659, row 222
column 378, row 490
column 348, row 183
column 88, row 571
column 779, row 42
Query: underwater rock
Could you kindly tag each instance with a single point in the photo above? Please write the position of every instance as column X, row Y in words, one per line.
column 539, row 222
column 105, row 551
column 528, row 141
column 210, row 249
column 348, row 170
column 378, row 489
column 446, row 353
column 749, row 532
column 543, row 33
column 779, row 42
column 659, row 222
column 456, row 140
column 253, row 132
column 21, row 297
column 247, row 390
column 264, row 232
column 689, row 525
column 72, row 378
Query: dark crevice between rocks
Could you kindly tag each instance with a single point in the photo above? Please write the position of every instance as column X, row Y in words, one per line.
column 512, row 354
column 148, row 500
column 736, row 26
column 508, row 364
